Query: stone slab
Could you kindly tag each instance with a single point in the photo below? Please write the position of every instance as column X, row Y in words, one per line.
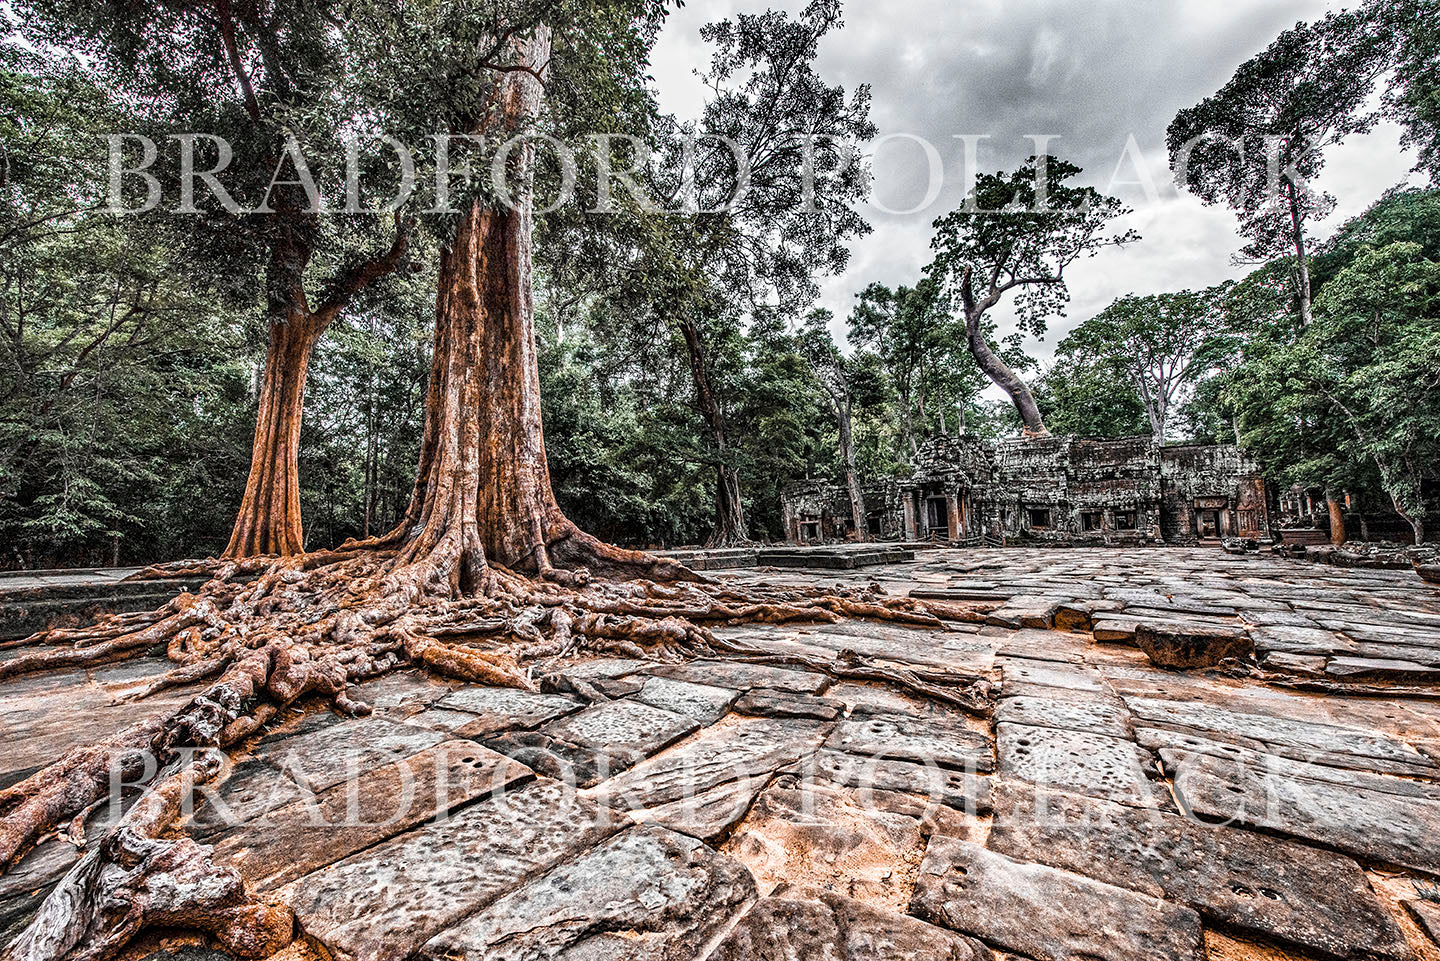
column 801, row 923
column 1193, row 646
column 323, row 758
column 383, row 903
column 498, row 709
column 702, row 703
column 810, row 832
column 744, row 677
column 1317, row 736
column 933, row 739
column 250, row 788
column 779, row 704
column 1048, row 914
column 1079, row 761
column 710, row 815
column 283, row 844
column 736, row 749
column 1264, row 886
column 1098, row 715
column 647, row 893
column 622, row 726
column 1370, row 825
column 965, row 792
column 1019, row 676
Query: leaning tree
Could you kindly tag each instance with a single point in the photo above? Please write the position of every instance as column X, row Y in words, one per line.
column 1021, row 232
column 484, row 580
column 269, row 80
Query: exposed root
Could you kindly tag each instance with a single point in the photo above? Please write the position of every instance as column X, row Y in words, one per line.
column 320, row 623
column 134, row 878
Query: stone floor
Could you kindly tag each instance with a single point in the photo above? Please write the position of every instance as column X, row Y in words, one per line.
column 1105, row 809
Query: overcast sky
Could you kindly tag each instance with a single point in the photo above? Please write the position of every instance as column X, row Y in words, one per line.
column 1093, row 73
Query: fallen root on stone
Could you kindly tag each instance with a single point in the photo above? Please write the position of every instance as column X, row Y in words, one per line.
column 320, row 623
column 134, row 878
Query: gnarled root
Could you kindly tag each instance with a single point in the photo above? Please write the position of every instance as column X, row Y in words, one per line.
column 320, row 623
column 135, row 878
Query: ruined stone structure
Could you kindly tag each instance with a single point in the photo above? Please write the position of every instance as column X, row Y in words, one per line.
column 818, row 512
column 1072, row 490
column 1053, row 490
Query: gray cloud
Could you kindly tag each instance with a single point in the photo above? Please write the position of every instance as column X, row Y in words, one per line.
column 1093, row 73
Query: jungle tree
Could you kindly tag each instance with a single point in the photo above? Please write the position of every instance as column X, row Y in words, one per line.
column 1259, row 143
column 1020, row 232
column 844, row 382
column 1158, row 343
column 265, row 79
column 773, row 185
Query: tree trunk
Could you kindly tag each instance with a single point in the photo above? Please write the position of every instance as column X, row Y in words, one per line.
column 1416, row 520
column 269, row 518
column 482, row 492
column 730, row 528
column 1337, row 519
column 1302, row 259
column 852, row 477
column 1004, row 378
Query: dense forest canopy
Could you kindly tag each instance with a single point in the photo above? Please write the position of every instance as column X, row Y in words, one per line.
column 685, row 378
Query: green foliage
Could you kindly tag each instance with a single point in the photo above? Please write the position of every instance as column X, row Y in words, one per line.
column 1021, row 231
column 1159, row 346
column 1260, row 141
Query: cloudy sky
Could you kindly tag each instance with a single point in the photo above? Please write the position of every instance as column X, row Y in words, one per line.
column 1092, row 73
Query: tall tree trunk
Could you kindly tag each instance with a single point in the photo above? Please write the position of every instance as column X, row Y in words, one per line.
column 1416, row 520
column 852, row 477
column 730, row 528
column 269, row 518
column 1302, row 258
column 907, row 423
column 1004, row 378
column 482, row 492
column 1337, row 519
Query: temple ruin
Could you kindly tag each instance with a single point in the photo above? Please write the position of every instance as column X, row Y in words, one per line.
column 1060, row 490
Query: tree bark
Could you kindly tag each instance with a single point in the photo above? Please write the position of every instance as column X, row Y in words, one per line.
column 1337, row 519
column 1004, row 378
column 482, row 491
column 269, row 518
column 1302, row 260
column 852, row 476
column 730, row 528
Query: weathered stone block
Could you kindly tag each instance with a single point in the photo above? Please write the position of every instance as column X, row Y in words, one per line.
column 648, row 893
column 1193, row 645
column 383, row 903
column 801, row 923
column 935, row 739
column 1079, row 761
column 1048, row 914
column 699, row 702
column 1246, row 881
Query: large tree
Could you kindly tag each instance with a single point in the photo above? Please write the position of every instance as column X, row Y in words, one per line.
column 843, row 380
column 1159, row 343
column 447, row 589
column 1259, row 143
column 1020, row 233
column 261, row 77
column 774, row 184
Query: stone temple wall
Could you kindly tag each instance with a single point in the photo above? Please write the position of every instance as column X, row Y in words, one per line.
column 1072, row 490
column 818, row 512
